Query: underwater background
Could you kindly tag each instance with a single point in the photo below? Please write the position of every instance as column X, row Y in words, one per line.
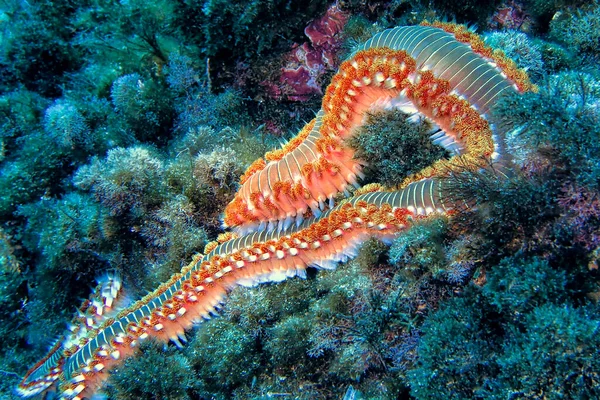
column 124, row 129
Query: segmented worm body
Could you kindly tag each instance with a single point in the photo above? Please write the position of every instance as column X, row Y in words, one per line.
column 441, row 72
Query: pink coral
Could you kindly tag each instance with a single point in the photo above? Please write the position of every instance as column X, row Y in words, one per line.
column 308, row 62
column 511, row 15
column 324, row 34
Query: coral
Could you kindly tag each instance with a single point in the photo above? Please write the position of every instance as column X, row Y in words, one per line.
column 404, row 354
column 213, row 178
column 223, row 357
column 155, row 374
column 357, row 30
column 466, row 11
column 553, row 354
column 363, row 323
column 127, row 94
column 20, row 111
column 173, row 229
column 205, row 179
column 174, row 214
column 67, row 236
column 33, row 172
column 181, row 75
column 307, row 63
column 70, row 242
column 12, row 291
column 203, row 138
column 516, row 287
column 579, row 90
column 526, row 321
column 420, row 247
column 579, row 28
column 229, row 30
column 556, row 57
column 543, row 11
column 524, row 51
column 288, row 341
column 511, row 15
column 94, row 79
column 461, row 259
column 512, row 211
column 67, row 127
column 38, row 52
column 133, row 36
column 394, row 146
column 221, row 168
column 358, row 334
column 144, row 105
column 107, row 127
column 322, row 32
column 252, row 310
column 200, row 108
column 563, row 116
column 456, row 352
column 13, row 309
column 582, row 214
column 34, row 162
column 127, row 180
column 8, row 261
